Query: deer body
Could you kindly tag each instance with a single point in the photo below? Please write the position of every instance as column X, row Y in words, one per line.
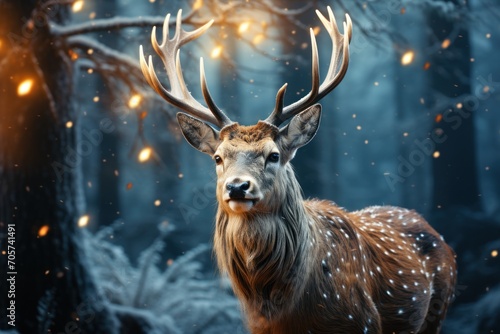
column 306, row 266
column 311, row 267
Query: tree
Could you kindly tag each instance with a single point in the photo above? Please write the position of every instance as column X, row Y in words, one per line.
column 454, row 169
column 39, row 170
column 41, row 152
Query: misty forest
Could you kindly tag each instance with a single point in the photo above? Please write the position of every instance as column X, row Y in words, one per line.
column 107, row 214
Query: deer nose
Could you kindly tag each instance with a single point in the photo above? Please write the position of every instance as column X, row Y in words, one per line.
column 237, row 190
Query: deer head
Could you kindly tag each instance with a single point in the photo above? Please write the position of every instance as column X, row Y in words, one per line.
column 251, row 161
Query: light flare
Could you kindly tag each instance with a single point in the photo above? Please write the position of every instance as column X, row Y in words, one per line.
column 43, row 230
column 258, row 39
column 83, row 221
column 25, row 87
column 216, row 52
column 243, row 27
column 77, row 6
column 197, row 4
column 446, row 43
column 134, row 101
column 145, row 154
column 407, row 58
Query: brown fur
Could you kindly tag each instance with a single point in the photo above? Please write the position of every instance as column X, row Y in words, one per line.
column 311, row 267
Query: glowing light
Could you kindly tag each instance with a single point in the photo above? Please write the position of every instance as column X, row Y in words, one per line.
column 488, row 35
column 216, row 52
column 438, row 118
column 494, row 253
column 69, row 124
column 83, row 221
column 446, row 43
column 77, row 6
column 407, row 58
column 43, row 230
column 197, row 4
column 90, row 51
column 134, row 101
column 243, row 27
column 144, row 154
column 129, row 185
column 96, row 99
column 436, row 154
column 427, row 65
column 157, row 202
column 73, row 55
column 459, row 105
column 258, row 39
column 24, row 87
column 316, row 30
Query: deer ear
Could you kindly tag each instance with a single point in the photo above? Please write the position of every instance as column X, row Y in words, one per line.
column 200, row 135
column 300, row 130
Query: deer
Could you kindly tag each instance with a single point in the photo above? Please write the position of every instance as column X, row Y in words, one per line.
column 304, row 265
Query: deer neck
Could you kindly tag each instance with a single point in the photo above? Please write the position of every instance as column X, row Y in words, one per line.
column 266, row 253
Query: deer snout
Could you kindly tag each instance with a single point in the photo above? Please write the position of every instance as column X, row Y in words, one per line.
column 237, row 190
column 241, row 193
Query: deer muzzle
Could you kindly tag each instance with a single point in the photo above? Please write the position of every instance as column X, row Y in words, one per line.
column 241, row 194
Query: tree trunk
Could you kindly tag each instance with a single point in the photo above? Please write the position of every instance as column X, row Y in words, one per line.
column 39, row 165
column 455, row 174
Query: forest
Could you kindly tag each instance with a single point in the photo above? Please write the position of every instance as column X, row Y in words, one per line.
column 107, row 214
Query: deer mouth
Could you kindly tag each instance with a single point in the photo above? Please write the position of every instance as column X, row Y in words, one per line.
column 241, row 205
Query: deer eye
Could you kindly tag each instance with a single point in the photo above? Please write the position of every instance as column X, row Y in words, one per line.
column 218, row 159
column 273, row 157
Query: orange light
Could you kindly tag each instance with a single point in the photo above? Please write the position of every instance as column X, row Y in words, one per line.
column 83, row 221
column 436, row 154
column 43, row 230
column 197, row 4
column 25, row 87
column 427, row 65
column 494, row 253
column 145, row 154
column 258, row 39
column 316, row 30
column 446, row 43
column 438, row 118
column 134, row 101
column 69, row 124
column 243, row 27
column 407, row 57
column 73, row 55
column 216, row 52
column 77, row 6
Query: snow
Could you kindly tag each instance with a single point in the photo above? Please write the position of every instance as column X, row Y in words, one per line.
column 162, row 299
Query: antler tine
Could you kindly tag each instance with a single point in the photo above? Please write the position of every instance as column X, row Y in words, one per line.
column 179, row 95
column 336, row 70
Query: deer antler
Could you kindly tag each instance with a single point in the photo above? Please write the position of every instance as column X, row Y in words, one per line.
column 179, row 95
column 336, row 71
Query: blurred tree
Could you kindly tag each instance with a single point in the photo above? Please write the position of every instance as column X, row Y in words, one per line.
column 39, row 164
column 454, row 167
